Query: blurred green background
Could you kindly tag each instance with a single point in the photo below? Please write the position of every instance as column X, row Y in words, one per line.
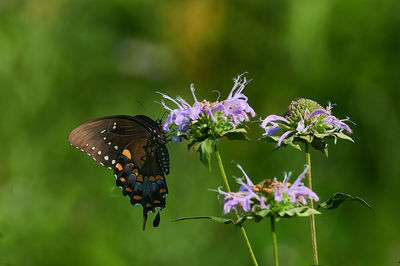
column 65, row 62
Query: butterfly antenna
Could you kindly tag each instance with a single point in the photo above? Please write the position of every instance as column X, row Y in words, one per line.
column 141, row 104
column 162, row 117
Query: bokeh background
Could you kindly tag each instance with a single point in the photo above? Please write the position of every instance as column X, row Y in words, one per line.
column 64, row 62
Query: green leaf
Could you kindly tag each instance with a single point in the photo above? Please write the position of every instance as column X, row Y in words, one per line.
column 286, row 142
column 206, row 148
column 322, row 135
column 238, row 130
column 291, row 142
column 263, row 213
column 236, row 134
column 243, row 219
column 308, row 138
column 214, row 218
column 194, row 145
column 343, row 136
column 293, row 212
column 338, row 198
column 320, row 145
column 271, row 139
column 298, row 212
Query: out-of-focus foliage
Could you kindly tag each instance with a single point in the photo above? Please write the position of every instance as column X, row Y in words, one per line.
column 64, row 62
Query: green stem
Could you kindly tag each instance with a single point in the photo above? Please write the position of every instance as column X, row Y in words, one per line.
column 274, row 243
column 246, row 239
column 312, row 219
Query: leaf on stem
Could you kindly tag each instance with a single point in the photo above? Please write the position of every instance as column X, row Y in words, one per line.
column 290, row 141
column 338, row 198
column 320, row 145
column 214, row 218
column 205, row 149
column 258, row 216
column 236, row 134
column 302, row 211
column 343, row 136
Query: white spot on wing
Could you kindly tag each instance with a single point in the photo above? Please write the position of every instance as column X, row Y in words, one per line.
column 113, row 161
column 106, row 158
column 116, row 147
column 87, row 144
column 109, row 143
column 99, row 153
column 93, row 148
column 104, row 138
column 102, row 131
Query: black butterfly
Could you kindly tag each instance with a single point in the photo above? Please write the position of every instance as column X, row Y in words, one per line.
column 134, row 147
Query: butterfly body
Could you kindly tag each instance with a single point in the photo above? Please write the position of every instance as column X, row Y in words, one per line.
column 134, row 147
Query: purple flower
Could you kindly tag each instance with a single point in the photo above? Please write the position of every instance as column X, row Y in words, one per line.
column 184, row 114
column 297, row 191
column 243, row 198
column 236, row 106
column 304, row 117
column 337, row 123
column 267, row 195
column 233, row 110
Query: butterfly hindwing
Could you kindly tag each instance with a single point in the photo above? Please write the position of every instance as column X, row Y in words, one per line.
column 145, row 185
column 134, row 147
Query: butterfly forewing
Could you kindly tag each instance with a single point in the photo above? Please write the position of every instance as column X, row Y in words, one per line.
column 103, row 139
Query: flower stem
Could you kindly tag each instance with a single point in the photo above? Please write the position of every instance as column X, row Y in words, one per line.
column 312, row 220
column 246, row 239
column 274, row 243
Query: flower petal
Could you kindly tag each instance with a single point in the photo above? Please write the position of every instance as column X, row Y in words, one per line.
column 272, row 118
column 271, row 130
column 284, row 135
column 320, row 111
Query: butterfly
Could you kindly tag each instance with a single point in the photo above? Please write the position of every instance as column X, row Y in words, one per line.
column 134, row 147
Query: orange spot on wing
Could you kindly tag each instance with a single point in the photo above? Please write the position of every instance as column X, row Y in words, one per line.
column 157, row 201
column 127, row 153
column 139, row 179
column 137, row 197
column 148, row 205
column 122, row 180
column 128, row 189
column 130, row 165
column 159, row 177
column 163, row 190
column 152, row 179
column 135, row 171
column 118, row 166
